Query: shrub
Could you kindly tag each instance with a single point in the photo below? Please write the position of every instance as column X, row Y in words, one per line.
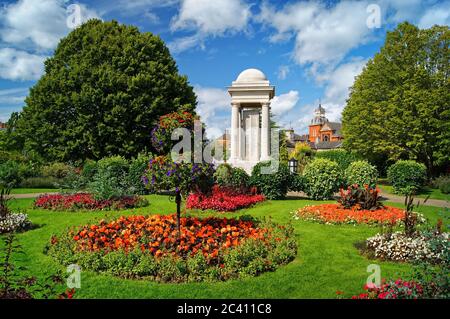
column 445, row 187
column 322, row 178
column 355, row 197
column 435, row 280
column 443, row 183
column 407, row 177
column 111, row 179
column 29, row 169
column 239, row 180
column 136, row 171
column 234, row 178
column 342, row 157
column 148, row 247
column 56, row 170
column 296, row 183
column 361, row 173
column 274, row 184
column 222, row 176
column 9, row 174
column 89, row 170
column 40, row 182
column 303, row 154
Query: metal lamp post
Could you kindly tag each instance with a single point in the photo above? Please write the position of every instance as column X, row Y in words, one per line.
column 293, row 164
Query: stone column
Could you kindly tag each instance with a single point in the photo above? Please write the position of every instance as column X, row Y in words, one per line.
column 265, row 131
column 234, row 131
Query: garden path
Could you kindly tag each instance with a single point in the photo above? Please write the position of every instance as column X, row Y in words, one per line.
column 33, row 195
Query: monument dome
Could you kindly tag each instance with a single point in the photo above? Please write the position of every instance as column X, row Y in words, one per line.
column 251, row 75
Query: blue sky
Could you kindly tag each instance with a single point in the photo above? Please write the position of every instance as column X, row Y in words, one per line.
column 310, row 50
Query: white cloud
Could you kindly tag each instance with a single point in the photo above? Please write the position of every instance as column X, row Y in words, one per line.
column 137, row 6
column 212, row 17
column 341, row 79
column 283, row 103
column 283, row 71
column 402, row 10
column 11, row 100
column 14, row 96
column 185, row 43
column 29, row 29
column 439, row 14
column 209, row 18
column 41, row 22
column 20, row 65
column 323, row 34
column 214, row 109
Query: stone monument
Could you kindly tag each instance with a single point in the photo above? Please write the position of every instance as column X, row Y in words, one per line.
column 250, row 119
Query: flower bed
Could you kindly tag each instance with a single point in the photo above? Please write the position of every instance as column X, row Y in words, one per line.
column 398, row 289
column 206, row 249
column 397, row 246
column 14, row 222
column 85, row 201
column 222, row 200
column 336, row 214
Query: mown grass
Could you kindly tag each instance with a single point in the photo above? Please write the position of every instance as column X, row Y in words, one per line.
column 327, row 259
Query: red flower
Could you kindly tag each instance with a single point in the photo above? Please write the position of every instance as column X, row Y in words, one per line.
column 222, row 200
column 335, row 214
column 159, row 233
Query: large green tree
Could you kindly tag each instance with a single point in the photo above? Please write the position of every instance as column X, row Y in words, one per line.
column 103, row 90
column 399, row 106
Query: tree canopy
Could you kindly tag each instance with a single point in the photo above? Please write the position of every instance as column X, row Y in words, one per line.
column 103, row 90
column 399, row 106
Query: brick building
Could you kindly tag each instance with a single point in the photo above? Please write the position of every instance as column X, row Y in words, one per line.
column 322, row 135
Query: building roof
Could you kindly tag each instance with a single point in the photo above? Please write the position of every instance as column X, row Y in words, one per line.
column 327, row 145
column 301, row 138
column 333, row 126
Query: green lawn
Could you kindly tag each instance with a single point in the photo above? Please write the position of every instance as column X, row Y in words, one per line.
column 434, row 193
column 33, row 190
column 327, row 259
